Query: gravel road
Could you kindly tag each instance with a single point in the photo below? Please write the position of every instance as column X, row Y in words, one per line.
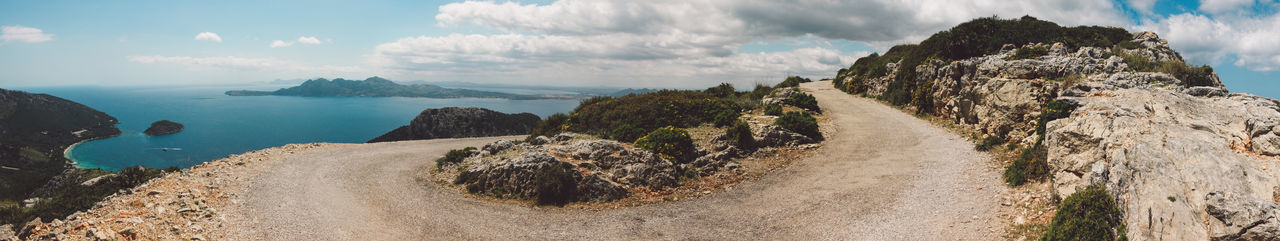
column 881, row 175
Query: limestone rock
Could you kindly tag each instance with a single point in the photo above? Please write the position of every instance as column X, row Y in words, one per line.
column 771, row 136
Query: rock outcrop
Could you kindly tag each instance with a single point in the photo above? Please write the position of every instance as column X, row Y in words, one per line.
column 1185, row 159
column 163, row 127
column 456, row 122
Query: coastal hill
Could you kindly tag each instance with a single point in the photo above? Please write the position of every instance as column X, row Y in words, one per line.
column 455, row 122
column 377, row 87
column 34, row 131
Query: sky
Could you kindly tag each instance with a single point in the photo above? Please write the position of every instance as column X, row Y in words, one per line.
column 621, row 43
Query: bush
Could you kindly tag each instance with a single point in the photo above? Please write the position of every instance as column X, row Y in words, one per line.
column 556, row 184
column 760, row 91
column 804, row 101
column 740, row 134
column 1190, row 76
column 1030, row 52
column 553, row 125
column 626, row 133
column 1090, row 214
column 1031, row 164
column 792, row 81
column 721, row 91
column 799, row 122
column 649, row 111
column 724, row 118
column 773, row 110
column 1054, row 110
column 67, row 199
column 670, row 143
column 455, row 156
column 989, row 142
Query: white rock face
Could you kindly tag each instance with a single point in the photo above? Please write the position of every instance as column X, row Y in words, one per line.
column 1184, row 162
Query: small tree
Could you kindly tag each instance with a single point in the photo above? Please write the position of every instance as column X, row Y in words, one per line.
column 669, row 142
column 799, row 122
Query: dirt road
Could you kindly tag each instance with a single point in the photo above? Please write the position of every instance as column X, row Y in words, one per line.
column 881, row 175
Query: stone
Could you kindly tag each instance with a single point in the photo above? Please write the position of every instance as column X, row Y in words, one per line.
column 498, row 146
column 773, row 136
column 596, row 188
column 540, row 140
column 1206, row 91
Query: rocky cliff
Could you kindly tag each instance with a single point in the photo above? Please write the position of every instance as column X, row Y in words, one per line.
column 34, row 131
column 1183, row 158
column 454, row 122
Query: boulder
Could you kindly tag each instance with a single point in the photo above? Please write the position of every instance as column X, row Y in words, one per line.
column 773, row 136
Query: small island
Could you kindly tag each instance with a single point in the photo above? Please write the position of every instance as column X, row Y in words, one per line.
column 163, row 127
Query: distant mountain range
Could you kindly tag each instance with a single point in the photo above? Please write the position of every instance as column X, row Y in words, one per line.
column 379, row 87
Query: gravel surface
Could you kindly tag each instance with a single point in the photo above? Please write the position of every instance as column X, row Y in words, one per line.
column 881, row 175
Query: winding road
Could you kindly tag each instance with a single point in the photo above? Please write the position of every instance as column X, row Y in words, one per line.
column 881, row 175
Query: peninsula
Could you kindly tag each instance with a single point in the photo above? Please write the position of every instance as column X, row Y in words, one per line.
column 378, row 87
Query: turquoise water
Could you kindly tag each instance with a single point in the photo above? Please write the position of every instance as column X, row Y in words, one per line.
column 218, row 125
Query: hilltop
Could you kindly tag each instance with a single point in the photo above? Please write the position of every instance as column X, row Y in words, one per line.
column 377, row 87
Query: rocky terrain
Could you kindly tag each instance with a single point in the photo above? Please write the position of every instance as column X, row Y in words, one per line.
column 1184, row 158
column 455, row 122
column 163, row 127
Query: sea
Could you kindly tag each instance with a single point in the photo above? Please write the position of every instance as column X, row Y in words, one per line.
column 217, row 125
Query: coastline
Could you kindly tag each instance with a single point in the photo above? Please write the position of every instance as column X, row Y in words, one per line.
column 66, row 152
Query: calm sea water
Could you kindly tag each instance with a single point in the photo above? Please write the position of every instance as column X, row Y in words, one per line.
column 218, row 125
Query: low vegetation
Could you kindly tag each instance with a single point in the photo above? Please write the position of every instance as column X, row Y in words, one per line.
column 804, row 101
column 1090, row 214
column 670, row 143
column 740, row 134
column 556, row 185
column 455, row 156
column 1190, row 76
column 799, row 122
column 1029, row 52
column 1031, row 164
column 989, row 142
column 792, row 81
column 773, row 110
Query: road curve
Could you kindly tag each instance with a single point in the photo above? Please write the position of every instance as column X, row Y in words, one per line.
column 881, row 175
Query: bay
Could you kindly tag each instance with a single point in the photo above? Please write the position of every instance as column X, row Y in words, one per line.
column 218, row 125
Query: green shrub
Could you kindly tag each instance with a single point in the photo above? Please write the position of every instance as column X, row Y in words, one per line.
column 760, row 91
column 721, row 91
column 649, row 111
column 804, row 101
column 989, row 142
column 799, row 122
column 1054, row 110
column 724, row 118
column 67, row 199
column 1129, row 44
column 455, row 156
column 1031, row 164
column 556, row 184
column 670, row 143
column 1090, row 214
column 1030, row 52
column 773, row 110
column 740, row 134
column 553, row 125
column 792, row 81
column 626, row 133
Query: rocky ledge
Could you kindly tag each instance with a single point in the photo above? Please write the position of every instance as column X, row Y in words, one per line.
column 163, row 127
column 1185, row 160
column 571, row 167
column 456, row 122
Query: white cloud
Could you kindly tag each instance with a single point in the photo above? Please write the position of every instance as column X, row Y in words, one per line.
column 23, row 34
column 308, row 40
column 208, row 36
column 1207, row 39
column 303, row 40
column 246, row 64
column 280, row 43
column 1144, row 7
column 1225, row 6
column 691, row 43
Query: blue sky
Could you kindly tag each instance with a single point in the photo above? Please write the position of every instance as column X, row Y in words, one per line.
column 566, row 42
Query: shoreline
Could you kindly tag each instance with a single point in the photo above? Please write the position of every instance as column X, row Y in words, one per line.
column 66, row 152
